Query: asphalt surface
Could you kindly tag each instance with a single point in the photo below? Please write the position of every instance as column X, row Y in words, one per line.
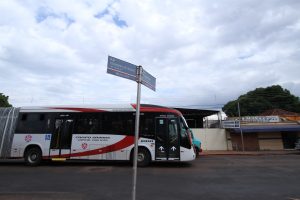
column 208, row 177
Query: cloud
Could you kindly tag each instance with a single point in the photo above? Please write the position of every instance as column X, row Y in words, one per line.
column 202, row 53
column 110, row 12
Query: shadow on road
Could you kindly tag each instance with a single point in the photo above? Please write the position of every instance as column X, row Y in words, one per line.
column 76, row 163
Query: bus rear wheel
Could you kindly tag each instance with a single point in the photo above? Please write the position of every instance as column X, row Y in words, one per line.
column 33, row 156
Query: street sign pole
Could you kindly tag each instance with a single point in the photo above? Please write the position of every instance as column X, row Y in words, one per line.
column 132, row 72
column 137, row 122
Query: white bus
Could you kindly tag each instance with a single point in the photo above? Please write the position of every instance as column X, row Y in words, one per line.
column 98, row 133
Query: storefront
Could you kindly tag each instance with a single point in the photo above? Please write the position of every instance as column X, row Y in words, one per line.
column 264, row 137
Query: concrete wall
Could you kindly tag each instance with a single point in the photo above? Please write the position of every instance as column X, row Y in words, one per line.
column 211, row 138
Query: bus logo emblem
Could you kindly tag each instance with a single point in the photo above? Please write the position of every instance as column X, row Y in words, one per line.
column 84, row 145
column 28, row 138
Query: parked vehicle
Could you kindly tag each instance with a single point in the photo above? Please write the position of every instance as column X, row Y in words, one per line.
column 94, row 133
column 196, row 143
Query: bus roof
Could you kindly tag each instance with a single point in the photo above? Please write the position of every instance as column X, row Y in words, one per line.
column 100, row 108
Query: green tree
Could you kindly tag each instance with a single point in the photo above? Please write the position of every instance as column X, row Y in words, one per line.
column 4, row 101
column 262, row 99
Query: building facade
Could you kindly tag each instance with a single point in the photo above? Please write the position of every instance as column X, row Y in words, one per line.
column 277, row 131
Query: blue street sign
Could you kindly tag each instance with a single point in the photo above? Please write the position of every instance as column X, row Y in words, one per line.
column 148, row 80
column 127, row 70
column 121, row 68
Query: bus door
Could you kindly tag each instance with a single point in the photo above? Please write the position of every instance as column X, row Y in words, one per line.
column 167, row 139
column 60, row 145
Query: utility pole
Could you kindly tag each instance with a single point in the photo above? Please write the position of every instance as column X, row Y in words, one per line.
column 241, row 130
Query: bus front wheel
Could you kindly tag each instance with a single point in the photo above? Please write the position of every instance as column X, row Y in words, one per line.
column 197, row 151
column 33, row 156
column 143, row 157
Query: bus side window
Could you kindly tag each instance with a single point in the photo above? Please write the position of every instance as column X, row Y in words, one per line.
column 129, row 127
column 87, row 124
column 106, row 123
column 147, row 126
column 80, row 126
column 32, row 123
column 106, row 128
column 122, row 123
column 21, row 126
column 129, row 122
column 93, row 126
column 24, row 117
column 117, row 124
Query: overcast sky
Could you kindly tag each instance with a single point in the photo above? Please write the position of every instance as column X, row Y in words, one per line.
column 202, row 53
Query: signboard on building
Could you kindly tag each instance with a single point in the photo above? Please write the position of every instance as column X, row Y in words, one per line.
column 231, row 124
column 261, row 119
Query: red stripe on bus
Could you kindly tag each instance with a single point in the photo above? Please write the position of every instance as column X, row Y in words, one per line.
column 157, row 109
column 79, row 109
column 126, row 142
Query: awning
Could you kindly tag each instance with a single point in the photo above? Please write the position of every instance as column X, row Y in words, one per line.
column 266, row 128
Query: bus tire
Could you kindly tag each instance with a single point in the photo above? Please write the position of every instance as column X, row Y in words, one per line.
column 33, row 156
column 143, row 158
column 197, row 151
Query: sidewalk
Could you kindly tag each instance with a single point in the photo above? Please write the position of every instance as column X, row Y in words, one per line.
column 248, row 153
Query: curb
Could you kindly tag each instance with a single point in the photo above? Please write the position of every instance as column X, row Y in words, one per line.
column 250, row 154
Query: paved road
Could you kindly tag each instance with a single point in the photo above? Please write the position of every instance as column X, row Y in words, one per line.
column 209, row 177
